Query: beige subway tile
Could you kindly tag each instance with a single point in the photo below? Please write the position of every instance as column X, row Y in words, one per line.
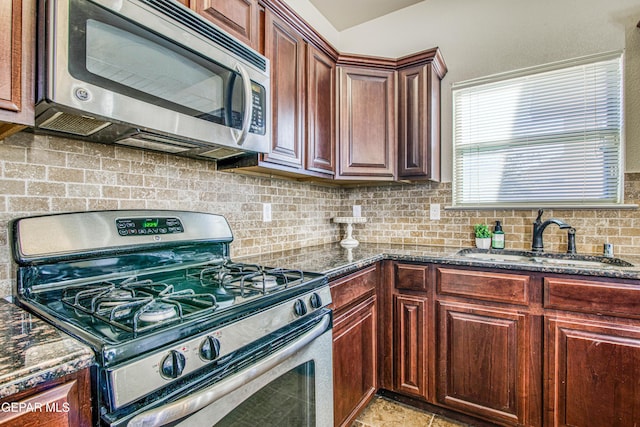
column 46, row 189
column 57, row 174
column 28, row 204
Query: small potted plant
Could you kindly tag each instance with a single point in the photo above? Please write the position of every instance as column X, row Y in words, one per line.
column 483, row 236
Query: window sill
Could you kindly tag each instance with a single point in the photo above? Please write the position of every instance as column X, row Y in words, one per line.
column 541, row 206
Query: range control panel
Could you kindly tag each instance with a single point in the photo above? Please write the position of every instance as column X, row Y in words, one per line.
column 148, row 226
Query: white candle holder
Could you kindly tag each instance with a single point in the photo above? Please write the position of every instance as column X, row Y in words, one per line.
column 349, row 241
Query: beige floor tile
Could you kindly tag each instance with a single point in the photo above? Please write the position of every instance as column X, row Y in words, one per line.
column 383, row 412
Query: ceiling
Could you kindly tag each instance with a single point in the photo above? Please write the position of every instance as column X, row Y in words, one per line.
column 344, row 14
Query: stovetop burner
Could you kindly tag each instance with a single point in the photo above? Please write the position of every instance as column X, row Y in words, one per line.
column 247, row 280
column 137, row 306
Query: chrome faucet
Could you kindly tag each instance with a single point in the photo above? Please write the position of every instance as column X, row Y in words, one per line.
column 539, row 227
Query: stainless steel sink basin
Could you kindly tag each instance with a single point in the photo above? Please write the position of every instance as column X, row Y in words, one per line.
column 561, row 260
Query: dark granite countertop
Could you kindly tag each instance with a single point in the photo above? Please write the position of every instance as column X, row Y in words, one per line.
column 334, row 260
column 34, row 352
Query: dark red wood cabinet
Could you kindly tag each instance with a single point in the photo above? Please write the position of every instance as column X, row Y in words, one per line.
column 355, row 355
column 64, row 402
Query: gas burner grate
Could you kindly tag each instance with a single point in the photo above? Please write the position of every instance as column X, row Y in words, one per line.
column 137, row 306
column 246, row 280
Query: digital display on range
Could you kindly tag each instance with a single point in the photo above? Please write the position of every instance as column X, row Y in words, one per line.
column 148, row 226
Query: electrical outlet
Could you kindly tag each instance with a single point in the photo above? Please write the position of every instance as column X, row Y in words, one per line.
column 434, row 211
column 357, row 211
column 266, row 212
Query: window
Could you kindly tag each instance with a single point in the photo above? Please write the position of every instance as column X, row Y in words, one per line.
column 540, row 137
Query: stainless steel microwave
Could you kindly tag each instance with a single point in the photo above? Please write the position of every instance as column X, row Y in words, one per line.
column 150, row 74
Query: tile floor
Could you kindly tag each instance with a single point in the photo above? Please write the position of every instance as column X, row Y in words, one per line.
column 382, row 412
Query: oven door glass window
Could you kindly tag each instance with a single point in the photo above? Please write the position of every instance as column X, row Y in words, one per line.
column 289, row 400
column 115, row 54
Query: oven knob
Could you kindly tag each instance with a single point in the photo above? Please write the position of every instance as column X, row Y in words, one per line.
column 173, row 364
column 299, row 308
column 210, row 348
column 315, row 300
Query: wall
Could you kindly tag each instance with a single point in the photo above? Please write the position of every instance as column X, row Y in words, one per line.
column 40, row 174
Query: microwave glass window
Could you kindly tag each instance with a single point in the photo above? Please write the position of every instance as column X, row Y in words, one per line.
column 142, row 65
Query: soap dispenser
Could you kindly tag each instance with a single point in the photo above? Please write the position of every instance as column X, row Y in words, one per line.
column 497, row 238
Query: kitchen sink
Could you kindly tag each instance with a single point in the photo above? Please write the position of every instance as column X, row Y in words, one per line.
column 551, row 259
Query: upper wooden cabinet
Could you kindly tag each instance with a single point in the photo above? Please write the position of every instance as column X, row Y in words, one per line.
column 302, row 103
column 240, row 18
column 389, row 112
column 419, row 116
column 17, row 57
column 367, row 123
column 286, row 50
column 321, row 112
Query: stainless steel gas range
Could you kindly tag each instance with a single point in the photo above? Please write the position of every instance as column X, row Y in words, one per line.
column 182, row 334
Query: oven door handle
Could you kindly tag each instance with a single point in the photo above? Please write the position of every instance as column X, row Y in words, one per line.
column 191, row 404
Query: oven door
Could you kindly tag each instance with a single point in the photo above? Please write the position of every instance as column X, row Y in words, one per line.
column 292, row 386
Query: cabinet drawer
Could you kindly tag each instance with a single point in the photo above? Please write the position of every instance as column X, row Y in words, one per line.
column 618, row 299
column 353, row 287
column 490, row 286
column 409, row 276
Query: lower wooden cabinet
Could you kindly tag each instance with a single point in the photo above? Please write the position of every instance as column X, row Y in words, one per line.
column 354, row 350
column 60, row 403
column 410, row 344
column 483, row 362
column 355, row 355
column 508, row 348
column 593, row 373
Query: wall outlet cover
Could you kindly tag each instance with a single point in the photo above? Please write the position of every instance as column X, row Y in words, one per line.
column 266, row 212
column 434, row 211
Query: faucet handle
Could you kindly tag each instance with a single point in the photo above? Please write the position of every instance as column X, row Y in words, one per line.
column 571, row 241
column 539, row 217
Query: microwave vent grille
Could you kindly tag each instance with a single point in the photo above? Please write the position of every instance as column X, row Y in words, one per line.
column 202, row 27
column 156, row 142
column 220, row 153
column 73, row 124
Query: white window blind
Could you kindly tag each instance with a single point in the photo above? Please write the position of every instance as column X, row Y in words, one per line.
column 543, row 138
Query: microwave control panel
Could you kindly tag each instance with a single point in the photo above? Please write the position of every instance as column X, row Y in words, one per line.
column 258, row 98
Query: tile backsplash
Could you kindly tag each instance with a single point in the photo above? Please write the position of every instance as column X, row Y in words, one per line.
column 42, row 174
column 400, row 214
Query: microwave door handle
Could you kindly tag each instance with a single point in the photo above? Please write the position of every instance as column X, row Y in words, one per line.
column 248, row 113
column 190, row 404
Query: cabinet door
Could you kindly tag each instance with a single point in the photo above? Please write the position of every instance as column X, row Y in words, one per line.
column 17, row 43
column 354, row 361
column 64, row 402
column 367, row 137
column 321, row 112
column 483, row 362
column 593, row 374
column 419, row 123
column 237, row 17
column 285, row 48
column 411, row 349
